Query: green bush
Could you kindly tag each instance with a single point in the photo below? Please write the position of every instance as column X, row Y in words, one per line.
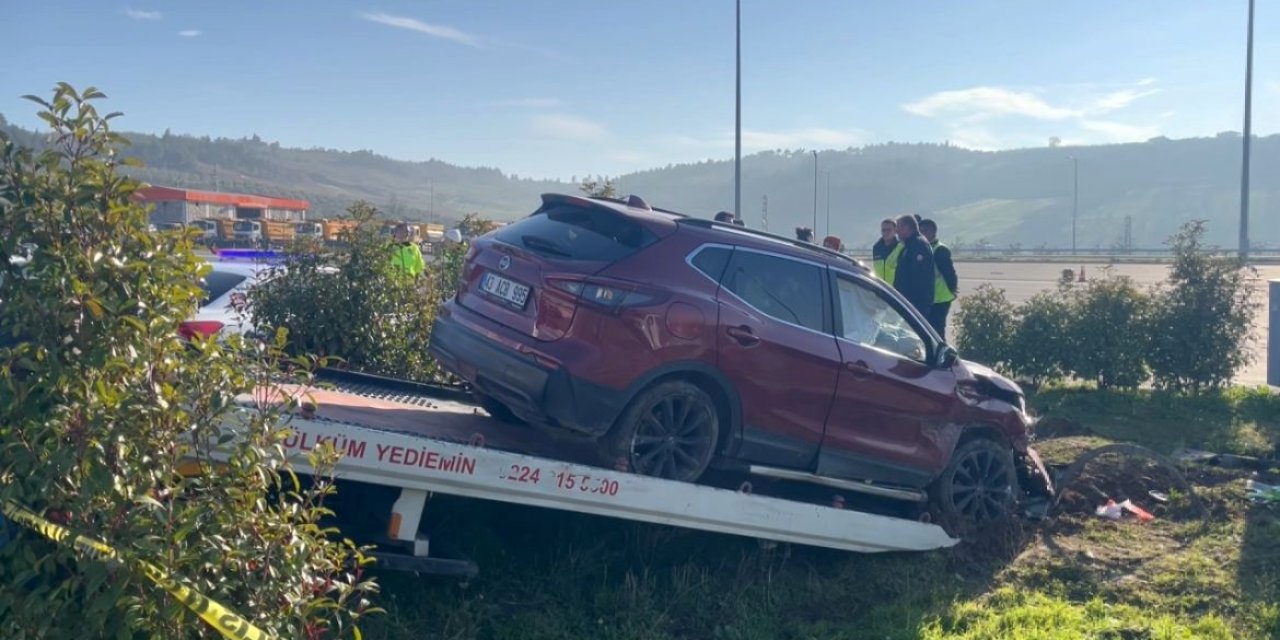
column 985, row 327
column 1041, row 348
column 351, row 304
column 1108, row 333
column 1201, row 324
column 100, row 402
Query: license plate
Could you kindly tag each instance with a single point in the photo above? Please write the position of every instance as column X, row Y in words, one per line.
column 498, row 286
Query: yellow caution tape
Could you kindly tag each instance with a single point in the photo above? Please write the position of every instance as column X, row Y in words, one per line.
column 217, row 616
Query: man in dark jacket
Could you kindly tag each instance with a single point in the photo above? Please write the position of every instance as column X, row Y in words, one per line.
column 914, row 275
column 946, row 284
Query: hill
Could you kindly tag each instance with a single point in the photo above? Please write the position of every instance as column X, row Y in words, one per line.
column 1021, row 197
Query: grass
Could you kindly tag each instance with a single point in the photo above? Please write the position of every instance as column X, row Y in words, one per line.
column 1188, row 574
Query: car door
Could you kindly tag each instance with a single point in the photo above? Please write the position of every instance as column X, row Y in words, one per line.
column 775, row 344
column 890, row 403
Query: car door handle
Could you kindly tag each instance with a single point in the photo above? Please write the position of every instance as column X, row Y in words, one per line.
column 859, row 369
column 743, row 335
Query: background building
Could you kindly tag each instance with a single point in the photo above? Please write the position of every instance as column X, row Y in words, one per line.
column 185, row 205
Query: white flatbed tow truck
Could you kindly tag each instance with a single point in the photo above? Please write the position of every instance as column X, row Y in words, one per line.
column 421, row 446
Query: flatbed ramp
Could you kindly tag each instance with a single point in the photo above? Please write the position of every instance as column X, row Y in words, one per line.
column 455, row 449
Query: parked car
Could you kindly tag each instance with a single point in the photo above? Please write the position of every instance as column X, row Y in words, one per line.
column 677, row 343
column 223, row 309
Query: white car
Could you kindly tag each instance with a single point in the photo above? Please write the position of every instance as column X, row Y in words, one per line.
column 223, row 309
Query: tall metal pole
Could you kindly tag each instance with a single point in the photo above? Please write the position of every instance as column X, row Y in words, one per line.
column 1248, row 133
column 737, row 120
column 1075, row 199
column 828, row 202
column 815, row 193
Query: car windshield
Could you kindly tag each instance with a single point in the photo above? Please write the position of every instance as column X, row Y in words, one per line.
column 593, row 234
column 217, row 283
column 244, row 226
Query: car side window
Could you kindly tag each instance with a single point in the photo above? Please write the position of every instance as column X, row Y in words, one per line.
column 785, row 289
column 868, row 319
column 712, row 261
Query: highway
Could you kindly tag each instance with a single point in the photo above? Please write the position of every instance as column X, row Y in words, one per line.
column 1021, row 280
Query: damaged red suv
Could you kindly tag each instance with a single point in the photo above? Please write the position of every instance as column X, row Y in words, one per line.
column 678, row 343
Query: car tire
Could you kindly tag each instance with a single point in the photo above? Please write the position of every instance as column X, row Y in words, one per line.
column 496, row 410
column 668, row 431
column 979, row 485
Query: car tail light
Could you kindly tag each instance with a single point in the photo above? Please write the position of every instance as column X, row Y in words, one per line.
column 201, row 328
column 610, row 296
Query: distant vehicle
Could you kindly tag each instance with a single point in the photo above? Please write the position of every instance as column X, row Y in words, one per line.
column 415, row 231
column 208, row 230
column 248, row 232
column 278, row 233
column 226, row 286
column 677, row 342
column 334, row 230
column 309, row 231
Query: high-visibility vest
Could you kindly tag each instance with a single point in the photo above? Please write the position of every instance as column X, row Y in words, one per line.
column 888, row 267
column 941, row 292
column 408, row 258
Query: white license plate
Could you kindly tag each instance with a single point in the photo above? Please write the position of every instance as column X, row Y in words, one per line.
column 513, row 292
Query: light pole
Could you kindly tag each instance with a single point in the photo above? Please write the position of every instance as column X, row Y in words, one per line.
column 828, row 173
column 737, row 119
column 815, row 192
column 1248, row 133
column 1075, row 199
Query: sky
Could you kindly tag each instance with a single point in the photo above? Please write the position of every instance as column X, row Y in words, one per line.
column 564, row 88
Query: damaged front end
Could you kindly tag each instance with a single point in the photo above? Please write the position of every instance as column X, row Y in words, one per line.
column 1033, row 477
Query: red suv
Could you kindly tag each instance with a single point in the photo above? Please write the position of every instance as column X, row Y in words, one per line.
column 679, row 342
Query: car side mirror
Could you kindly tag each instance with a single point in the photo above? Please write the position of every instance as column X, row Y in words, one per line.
column 946, row 357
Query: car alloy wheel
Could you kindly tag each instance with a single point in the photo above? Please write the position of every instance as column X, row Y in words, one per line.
column 669, row 431
column 980, row 483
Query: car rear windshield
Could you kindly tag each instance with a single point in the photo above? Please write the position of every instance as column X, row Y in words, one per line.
column 217, row 283
column 592, row 234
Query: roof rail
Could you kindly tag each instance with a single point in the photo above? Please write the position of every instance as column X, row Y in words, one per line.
column 709, row 224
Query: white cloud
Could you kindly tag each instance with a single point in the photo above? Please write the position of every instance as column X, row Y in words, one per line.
column 755, row 140
column 1120, row 99
column 143, row 15
column 1025, row 116
column 567, row 127
column 189, row 33
column 1119, row 131
column 977, row 138
column 434, row 30
column 986, row 102
column 530, row 103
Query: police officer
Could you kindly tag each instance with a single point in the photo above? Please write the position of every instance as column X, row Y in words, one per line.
column 914, row 274
column 884, row 253
column 945, row 283
column 407, row 257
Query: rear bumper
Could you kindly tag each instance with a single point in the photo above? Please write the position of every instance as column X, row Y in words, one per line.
column 535, row 392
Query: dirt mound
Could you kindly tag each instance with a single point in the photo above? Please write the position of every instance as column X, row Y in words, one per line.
column 1126, row 472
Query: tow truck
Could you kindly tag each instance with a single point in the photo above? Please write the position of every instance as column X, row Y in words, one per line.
column 419, row 440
